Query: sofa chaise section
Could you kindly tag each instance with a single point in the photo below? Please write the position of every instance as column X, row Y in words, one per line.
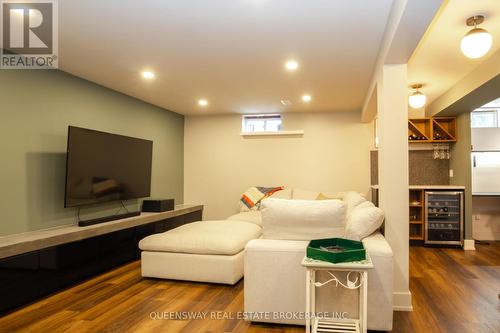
column 208, row 251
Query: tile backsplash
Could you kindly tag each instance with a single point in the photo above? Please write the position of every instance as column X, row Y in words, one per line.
column 423, row 168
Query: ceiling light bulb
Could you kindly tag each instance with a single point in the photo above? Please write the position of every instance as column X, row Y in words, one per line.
column 306, row 98
column 477, row 42
column 148, row 75
column 417, row 99
column 291, row 65
column 202, row 102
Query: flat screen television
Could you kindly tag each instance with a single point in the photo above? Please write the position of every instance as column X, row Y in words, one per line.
column 103, row 167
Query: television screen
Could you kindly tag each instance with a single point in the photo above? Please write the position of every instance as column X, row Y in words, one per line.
column 104, row 167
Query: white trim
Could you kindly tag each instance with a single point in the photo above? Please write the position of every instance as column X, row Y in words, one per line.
column 277, row 133
column 469, row 245
column 402, row 301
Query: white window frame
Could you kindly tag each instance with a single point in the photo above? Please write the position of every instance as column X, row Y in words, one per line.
column 493, row 111
column 265, row 118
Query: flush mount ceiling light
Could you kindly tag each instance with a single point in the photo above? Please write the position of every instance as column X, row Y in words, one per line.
column 417, row 99
column 291, row 65
column 202, row 102
column 306, row 98
column 477, row 42
column 148, row 75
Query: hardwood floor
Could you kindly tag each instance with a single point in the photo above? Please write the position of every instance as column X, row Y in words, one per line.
column 453, row 291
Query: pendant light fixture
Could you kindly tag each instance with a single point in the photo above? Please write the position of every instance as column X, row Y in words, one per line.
column 417, row 99
column 477, row 42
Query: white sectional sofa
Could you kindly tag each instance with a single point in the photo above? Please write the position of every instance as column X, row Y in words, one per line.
column 224, row 251
column 275, row 280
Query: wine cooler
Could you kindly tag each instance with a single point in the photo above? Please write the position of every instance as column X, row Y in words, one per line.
column 444, row 217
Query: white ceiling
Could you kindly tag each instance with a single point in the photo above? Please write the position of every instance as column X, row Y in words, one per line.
column 438, row 62
column 230, row 52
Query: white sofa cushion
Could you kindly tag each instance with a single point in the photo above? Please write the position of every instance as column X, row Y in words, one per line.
column 299, row 194
column 302, row 219
column 211, row 268
column 207, row 237
column 254, row 216
column 352, row 199
column 363, row 220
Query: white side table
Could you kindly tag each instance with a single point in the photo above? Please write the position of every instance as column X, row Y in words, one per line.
column 358, row 273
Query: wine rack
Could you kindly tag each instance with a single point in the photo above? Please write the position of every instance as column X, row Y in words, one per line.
column 416, row 215
column 432, row 130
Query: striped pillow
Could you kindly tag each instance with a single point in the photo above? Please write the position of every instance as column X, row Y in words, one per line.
column 254, row 195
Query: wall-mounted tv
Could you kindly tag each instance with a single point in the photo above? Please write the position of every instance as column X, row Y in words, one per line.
column 103, row 167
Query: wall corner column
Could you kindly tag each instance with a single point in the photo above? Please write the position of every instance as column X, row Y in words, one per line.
column 392, row 106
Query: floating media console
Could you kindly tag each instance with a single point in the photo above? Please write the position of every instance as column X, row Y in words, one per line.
column 35, row 264
column 86, row 223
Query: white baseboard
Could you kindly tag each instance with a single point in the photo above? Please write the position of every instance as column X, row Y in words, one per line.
column 469, row 245
column 402, row 301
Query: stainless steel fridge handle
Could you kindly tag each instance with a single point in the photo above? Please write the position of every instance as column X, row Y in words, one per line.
column 474, row 161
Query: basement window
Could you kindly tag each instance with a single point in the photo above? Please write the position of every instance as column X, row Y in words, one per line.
column 484, row 119
column 259, row 123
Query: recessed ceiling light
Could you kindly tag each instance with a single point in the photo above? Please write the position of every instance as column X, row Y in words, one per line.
column 286, row 102
column 306, row 98
column 202, row 102
column 291, row 65
column 148, row 75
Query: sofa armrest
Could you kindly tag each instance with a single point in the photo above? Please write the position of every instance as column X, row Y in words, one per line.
column 380, row 282
column 275, row 279
column 377, row 245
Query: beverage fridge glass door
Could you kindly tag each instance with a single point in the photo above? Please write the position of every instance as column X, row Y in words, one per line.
column 444, row 217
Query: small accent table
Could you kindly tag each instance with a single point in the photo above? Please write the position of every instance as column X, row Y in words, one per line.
column 357, row 271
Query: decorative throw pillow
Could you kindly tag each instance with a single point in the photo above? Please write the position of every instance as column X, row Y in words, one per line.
column 251, row 198
column 363, row 220
column 323, row 196
column 353, row 199
column 302, row 219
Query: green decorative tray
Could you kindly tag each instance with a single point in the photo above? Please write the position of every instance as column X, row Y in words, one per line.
column 336, row 250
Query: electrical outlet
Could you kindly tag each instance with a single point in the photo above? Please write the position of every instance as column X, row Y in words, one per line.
column 477, row 217
column 451, row 173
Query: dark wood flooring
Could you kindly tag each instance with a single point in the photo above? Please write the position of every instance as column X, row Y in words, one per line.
column 453, row 292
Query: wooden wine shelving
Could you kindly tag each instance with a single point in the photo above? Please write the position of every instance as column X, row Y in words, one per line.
column 433, row 130
column 416, row 217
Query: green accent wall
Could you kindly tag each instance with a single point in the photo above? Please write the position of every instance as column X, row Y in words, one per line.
column 460, row 162
column 36, row 107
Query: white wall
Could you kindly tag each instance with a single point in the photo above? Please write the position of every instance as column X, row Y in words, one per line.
column 220, row 164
